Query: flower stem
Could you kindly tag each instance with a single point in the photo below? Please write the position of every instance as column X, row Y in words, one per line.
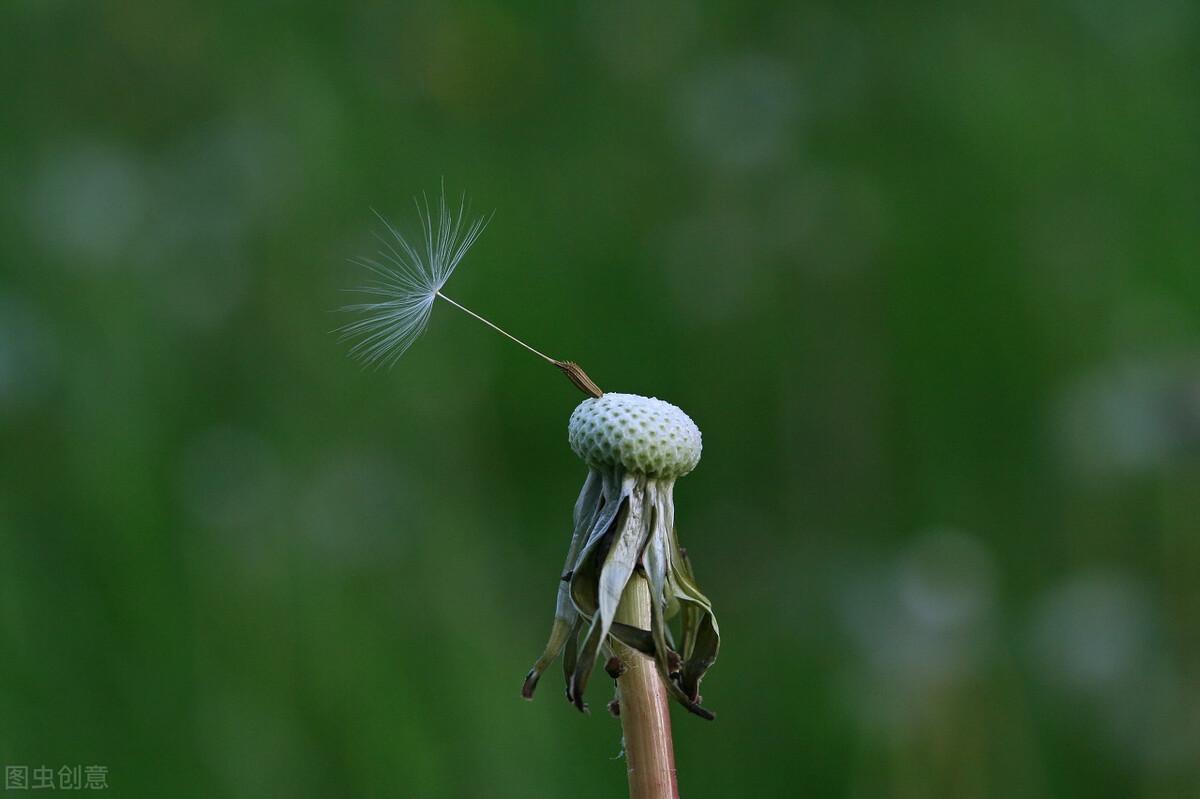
column 645, row 720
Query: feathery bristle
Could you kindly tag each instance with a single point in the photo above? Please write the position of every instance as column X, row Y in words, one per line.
column 408, row 281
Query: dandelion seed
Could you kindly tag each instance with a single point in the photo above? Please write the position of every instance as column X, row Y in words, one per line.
column 408, row 281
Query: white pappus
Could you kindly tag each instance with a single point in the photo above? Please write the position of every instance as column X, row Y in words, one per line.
column 408, row 280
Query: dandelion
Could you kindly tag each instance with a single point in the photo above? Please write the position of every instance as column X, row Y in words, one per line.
column 626, row 575
column 635, row 448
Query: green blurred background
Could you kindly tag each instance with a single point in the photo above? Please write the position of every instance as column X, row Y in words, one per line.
column 925, row 276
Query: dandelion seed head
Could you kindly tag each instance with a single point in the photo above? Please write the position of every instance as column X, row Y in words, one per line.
column 406, row 278
column 641, row 434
